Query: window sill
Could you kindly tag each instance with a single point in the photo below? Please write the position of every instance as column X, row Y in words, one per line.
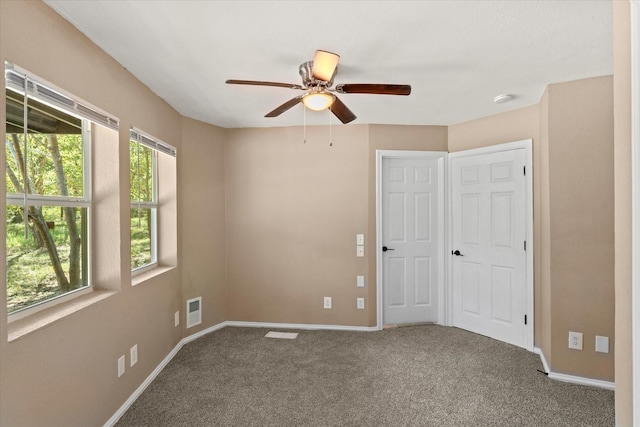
column 35, row 321
column 149, row 274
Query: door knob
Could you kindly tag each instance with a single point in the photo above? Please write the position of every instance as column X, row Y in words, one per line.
column 456, row 253
column 385, row 249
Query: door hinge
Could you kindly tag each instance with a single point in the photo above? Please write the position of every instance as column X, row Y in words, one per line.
column 525, row 245
column 525, row 319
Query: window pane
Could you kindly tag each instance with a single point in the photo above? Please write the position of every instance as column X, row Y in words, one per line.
column 52, row 260
column 141, row 159
column 54, row 149
column 142, row 237
column 13, row 143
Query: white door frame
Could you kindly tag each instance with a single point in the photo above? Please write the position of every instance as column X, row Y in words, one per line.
column 527, row 145
column 442, row 223
column 635, row 209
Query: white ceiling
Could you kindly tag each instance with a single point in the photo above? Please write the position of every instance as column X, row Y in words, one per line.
column 456, row 55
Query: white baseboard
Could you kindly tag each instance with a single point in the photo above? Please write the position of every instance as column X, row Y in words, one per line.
column 572, row 378
column 152, row 376
column 203, row 332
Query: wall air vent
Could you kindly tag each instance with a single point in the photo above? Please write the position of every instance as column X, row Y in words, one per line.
column 194, row 312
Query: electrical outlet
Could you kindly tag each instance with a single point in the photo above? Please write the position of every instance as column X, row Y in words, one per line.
column 359, row 251
column 327, row 302
column 133, row 353
column 120, row 366
column 575, row 340
column 359, row 239
column 360, row 303
column 360, row 281
column 176, row 318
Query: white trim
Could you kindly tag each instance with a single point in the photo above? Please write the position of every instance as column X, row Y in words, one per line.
column 635, row 209
column 527, row 145
column 304, row 326
column 51, row 302
column 441, row 156
column 545, row 365
column 573, row 379
column 204, row 332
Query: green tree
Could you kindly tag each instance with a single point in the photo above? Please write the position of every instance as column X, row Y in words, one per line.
column 45, row 174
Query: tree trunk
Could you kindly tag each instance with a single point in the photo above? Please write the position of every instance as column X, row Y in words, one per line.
column 39, row 223
column 14, row 179
column 75, row 242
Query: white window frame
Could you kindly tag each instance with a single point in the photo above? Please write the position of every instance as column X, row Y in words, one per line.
column 38, row 89
column 156, row 146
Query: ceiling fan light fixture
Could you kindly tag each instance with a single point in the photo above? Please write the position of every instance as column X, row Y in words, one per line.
column 324, row 65
column 318, row 101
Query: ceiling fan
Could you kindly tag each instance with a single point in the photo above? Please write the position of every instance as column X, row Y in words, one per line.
column 317, row 79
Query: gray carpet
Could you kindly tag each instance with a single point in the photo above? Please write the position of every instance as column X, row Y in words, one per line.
column 412, row 376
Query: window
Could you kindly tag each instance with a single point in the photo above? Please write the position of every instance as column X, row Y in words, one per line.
column 143, row 157
column 48, row 190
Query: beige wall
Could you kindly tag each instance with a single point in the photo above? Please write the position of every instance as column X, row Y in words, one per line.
column 54, row 375
column 580, row 144
column 542, row 251
column 622, row 196
column 293, row 210
column 500, row 128
column 202, row 229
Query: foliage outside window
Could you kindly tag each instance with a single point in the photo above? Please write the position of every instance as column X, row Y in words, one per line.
column 48, row 201
column 144, row 202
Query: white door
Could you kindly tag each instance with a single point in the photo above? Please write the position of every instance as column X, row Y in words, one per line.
column 410, row 239
column 488, row 245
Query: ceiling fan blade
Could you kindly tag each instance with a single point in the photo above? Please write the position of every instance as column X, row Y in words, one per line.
column 284, row 107
column 324, row 65
column 341, row 111
column 375, row 89
column 260, row 83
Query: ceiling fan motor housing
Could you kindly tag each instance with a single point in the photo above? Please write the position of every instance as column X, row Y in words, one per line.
column 306, row 73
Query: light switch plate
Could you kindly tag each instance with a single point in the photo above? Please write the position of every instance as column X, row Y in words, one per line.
column 359, row 239
column 133, row 355
column 602, row 344
column 360, row 251
column 120, row 366
column 360, row 281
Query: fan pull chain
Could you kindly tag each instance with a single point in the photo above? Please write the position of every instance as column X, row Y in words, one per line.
column 330, row 136
column 304, row 123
